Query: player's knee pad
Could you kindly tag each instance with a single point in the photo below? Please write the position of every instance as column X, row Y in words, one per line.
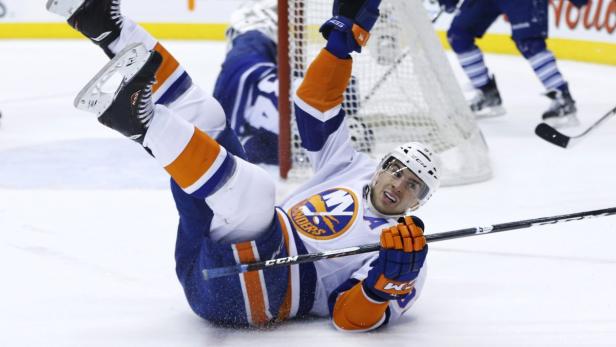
column 460, row 40
column 244, row 206
column 530, row 47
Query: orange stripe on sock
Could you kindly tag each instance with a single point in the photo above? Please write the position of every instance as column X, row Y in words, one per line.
column 167, row 68
column 354, row 311
column 325, row 81
column 285, row 309
column 252, row 280
column 195, row 160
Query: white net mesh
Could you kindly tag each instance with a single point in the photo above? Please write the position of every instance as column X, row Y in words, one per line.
column 403, row 89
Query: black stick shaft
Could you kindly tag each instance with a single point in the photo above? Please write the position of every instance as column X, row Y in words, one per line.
column 448, row 235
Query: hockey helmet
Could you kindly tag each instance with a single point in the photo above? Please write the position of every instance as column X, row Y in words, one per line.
column 421, row 161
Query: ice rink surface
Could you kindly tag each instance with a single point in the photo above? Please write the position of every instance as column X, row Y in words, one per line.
column 87, row 225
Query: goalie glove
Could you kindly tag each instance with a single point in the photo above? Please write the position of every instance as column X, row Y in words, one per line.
column 403, row 253
column 350, row 25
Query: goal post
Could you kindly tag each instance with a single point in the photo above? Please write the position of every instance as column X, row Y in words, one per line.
column 403, row 89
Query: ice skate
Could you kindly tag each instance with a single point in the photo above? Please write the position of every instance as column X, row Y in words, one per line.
column 121, row 93
column 562, row 111
column 99, row 20
column 260, row 15
column 488, row 102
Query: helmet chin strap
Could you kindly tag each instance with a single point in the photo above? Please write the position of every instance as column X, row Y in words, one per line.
column 367, row 193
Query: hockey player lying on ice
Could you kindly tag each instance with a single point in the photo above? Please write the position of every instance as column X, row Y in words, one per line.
column 226, row 205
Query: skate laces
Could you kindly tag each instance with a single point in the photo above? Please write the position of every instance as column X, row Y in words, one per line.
column 115, row 14
column 145, row 107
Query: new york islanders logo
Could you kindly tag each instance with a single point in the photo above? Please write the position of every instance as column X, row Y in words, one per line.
column 326, row 215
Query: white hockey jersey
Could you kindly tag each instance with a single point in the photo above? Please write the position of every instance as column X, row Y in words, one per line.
column 330, row 210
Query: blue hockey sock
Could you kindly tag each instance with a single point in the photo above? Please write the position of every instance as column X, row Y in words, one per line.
column 544, row 65
column 474, row 67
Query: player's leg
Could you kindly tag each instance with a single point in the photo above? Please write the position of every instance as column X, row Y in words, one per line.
column 226, row 205
column 472, row 21
column 104, row 24
column 254, row 298
column 199, row 163
column 529, row 27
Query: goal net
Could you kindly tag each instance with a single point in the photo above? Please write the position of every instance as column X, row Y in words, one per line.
column 403, row 89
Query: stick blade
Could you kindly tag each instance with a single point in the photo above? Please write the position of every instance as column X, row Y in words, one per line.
column 552, row 135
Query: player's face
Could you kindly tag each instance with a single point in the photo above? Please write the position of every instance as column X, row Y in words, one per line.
column 397, row 189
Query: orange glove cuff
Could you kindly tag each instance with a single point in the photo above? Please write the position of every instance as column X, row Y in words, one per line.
column 355, row 311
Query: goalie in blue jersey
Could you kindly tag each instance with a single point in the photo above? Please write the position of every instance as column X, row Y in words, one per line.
column 529, row 30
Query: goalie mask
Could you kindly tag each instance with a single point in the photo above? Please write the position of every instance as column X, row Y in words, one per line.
column 406, row 178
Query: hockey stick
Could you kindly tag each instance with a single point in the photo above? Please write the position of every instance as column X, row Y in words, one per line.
column 554, row 136
column 448, row 235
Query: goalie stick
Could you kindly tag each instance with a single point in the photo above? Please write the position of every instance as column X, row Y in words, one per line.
column 551, row 135
column 448, row 235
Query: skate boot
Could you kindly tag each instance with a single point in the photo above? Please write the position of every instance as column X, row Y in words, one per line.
column 98, row 20
column 488, row 102
column 562, row 111
column 127, row 107
column 260, row 15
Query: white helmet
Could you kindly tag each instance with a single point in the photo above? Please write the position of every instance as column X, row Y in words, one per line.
column 421, row 160
column 259, row 15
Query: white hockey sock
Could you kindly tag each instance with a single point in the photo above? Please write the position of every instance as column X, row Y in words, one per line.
column 132, row 33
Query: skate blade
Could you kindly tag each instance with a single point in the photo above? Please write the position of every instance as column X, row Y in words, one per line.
column 99, row 93
column 490, row 112
column 569, row 121
column 64, row 8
